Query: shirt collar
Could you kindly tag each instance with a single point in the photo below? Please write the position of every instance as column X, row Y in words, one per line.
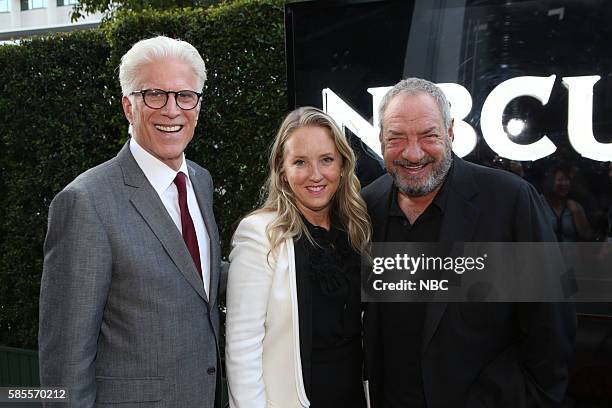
column 318, row 233
column 439, row 200
column 158, row 173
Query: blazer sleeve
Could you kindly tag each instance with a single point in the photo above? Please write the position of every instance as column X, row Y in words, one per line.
column 530, row 222
column 74, row 288
column 534, row 371
column 248, row 287
column 548, row 329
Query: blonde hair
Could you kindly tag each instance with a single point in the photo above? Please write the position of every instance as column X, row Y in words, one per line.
column 347, row 203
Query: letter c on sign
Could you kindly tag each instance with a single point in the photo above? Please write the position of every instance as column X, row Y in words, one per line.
column 493, row 110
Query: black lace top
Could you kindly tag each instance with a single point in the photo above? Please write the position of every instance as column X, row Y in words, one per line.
column 333, row 271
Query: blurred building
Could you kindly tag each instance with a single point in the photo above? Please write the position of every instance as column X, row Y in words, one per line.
column 24, row 18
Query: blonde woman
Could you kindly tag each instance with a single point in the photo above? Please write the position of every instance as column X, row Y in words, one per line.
column 293, row 300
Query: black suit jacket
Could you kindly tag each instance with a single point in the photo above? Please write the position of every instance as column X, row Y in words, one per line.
column 482, row 354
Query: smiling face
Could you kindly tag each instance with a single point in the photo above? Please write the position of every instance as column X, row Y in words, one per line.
column 165, row 132
column 416, row 146
column 312, row 167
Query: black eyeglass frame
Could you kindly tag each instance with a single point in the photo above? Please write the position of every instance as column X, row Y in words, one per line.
column 167, row 93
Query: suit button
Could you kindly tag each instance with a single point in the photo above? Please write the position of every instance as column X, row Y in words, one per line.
column 211, row 370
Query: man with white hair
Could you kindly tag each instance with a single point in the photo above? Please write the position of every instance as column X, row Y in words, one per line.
column 128, row 303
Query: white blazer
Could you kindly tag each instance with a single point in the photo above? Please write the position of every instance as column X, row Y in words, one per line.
column 262, row 349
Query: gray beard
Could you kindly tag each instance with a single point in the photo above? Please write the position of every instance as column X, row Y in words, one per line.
column 436, row 178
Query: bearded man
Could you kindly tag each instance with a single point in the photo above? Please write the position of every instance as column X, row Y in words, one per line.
column 449, row 355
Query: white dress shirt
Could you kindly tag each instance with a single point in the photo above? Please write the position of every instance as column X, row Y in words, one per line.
column 162, row 178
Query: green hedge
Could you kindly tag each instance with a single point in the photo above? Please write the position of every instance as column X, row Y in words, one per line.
column 60, row 114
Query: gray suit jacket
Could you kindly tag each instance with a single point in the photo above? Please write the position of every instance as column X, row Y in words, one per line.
column 124, row 318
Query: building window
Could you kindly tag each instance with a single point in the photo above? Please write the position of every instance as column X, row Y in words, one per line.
column 4, row 6
column 66, row 2
column 33, row 4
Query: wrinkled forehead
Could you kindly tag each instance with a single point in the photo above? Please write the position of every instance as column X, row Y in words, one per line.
column 412, row 114
column 408, row 108
column 167, row 74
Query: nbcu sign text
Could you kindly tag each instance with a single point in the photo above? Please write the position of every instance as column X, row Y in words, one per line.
column 579, row 124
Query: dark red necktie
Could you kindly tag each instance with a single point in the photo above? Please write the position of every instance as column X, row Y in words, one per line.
column 189, row 233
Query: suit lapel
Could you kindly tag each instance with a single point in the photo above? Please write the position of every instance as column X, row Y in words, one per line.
column 458, row 225
column 460, row 215
column 149, row 206
column 378, row 209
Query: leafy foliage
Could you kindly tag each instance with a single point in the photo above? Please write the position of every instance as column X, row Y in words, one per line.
column 61, row 114
column 109, row 7
column 53, row 126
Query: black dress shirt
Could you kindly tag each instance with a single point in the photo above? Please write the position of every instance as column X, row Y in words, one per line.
column 334, row 373
column 401, row 324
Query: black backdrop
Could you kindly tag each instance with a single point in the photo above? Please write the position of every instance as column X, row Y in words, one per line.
column 352, row 45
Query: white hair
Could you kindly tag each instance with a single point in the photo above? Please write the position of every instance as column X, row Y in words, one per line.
column 153, row 50
column 414, row 86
